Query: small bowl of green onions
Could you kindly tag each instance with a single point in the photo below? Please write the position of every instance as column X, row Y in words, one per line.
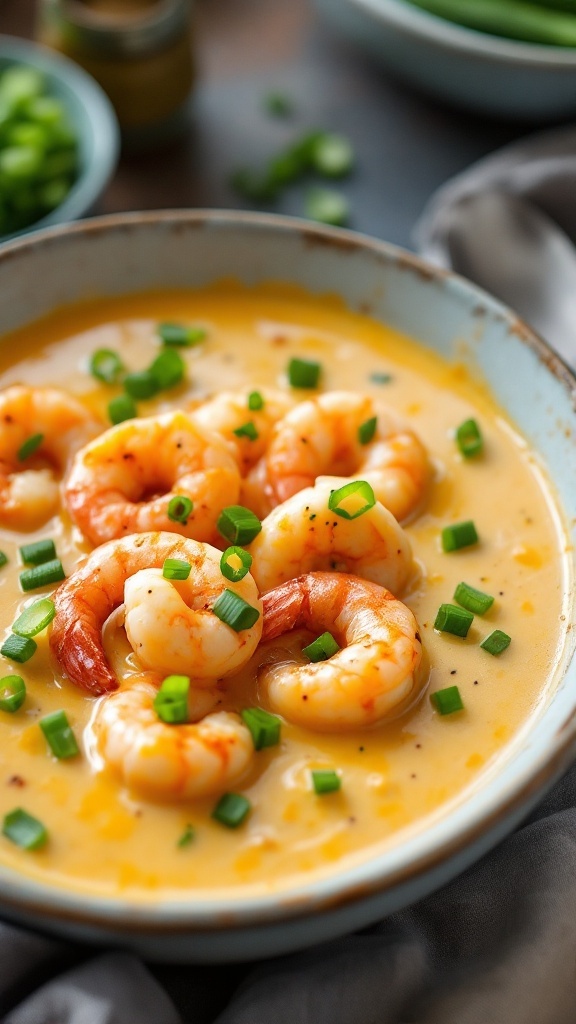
column 59, row 139
column 510, row 58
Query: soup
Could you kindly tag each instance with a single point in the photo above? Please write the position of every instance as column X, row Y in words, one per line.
column 321, row 792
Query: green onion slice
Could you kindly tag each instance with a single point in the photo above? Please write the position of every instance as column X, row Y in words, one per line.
column 30, row 446
column 235, row 563
column 264, row 727
column 247, row 430
column 18, row 648
column 42, row 575
column 59, row 735
column 332, row 155
column 187, row 837
column 25, row 831
column 12, row 693
column 231, row 810
column 452, row 619
column 171, row 701
column 106, row 365
column 3, row 558
column 322, row 648
column 327, row 206
column 469, row 439
column 176, row 569
column 167, row 369
column 179, row 336
column 459, row 535
column 474, row 600
column 367, row 430
column 121, row 408
column 447, row 701
column 325, row 781
column 496, row 642
column 141, row 384
column 381, row 378
column 352, row 500
column 255, row 401
column 233, row 610
column 35, row 618
column 278, row 105
column 238, row 524
column 38, row 552
column 303, row 373
column 180, row 509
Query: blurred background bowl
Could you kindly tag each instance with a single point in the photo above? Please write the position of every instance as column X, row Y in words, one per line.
column 469, row 69
column 91, row 118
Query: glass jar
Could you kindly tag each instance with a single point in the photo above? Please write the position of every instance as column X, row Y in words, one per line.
column 140, row 51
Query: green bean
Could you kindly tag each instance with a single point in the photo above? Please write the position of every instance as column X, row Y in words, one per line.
column 515, row 19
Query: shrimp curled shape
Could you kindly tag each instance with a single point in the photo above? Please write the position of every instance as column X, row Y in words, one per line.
column 229, row 411
column 302, row 535
column 169, row 761
column 371, row 677
column 124, row 481
column 322, row 436
column 201, row 646
column 29, row 486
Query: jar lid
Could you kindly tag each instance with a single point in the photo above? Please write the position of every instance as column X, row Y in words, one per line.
column 124, row 30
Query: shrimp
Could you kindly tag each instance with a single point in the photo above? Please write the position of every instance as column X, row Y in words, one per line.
column 321, row 436
column 29, row 486
column 229, row 411
column 86, row 599
column 371, row 677
column 169, row 761
column 124, row 481
column 303, row 535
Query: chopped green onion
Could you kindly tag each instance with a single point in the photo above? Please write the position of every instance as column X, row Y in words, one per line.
column 264, row 727
column 332, row 155
column 106, row 365
column 231, row 810
column 235, row 563
column 38, row 552
column 469, row 439
column 180, row 509
column 452, row 619
column 18, row 648
column 35, row 618
column 42, row 575
column 303, row 373
column 278, row 105
column 327, row 206
column 3, row 559
column 187, row 837
column 496, row 642
column 381, row 378
column 176, row 569
column 12, row 693
column 238, row 524
column 325, row 781
column 59, row 735
column 247, row 430
column 459, row 535
column 179, row 336
column 367, row 430
column 235, row 611
column 255, row 401
column 352, row 500
column 447, row 701
column 167, row 369
column 121, row 408
column 141, row 384
column 474, row 600
column 171, row 701
column 30, row 446
column 322, row 648
column 25, row 831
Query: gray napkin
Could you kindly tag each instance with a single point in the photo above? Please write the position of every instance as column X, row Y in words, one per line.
column 496, row 946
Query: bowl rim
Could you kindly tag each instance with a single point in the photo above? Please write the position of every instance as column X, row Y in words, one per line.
column 458, row 38
column 99, row 115
column 457, row 832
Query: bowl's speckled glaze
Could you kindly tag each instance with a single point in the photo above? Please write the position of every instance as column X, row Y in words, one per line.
column 136, row 252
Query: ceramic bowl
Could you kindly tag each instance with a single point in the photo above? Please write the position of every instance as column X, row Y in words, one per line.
column 91, row 116
column 473, row 70
column 136, row 252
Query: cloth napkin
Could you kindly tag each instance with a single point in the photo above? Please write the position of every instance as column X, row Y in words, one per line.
column 497, row 945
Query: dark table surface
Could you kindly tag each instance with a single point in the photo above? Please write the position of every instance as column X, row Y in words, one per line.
column 406, row 145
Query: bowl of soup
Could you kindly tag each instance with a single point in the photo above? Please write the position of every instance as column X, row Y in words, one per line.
column 287, row 584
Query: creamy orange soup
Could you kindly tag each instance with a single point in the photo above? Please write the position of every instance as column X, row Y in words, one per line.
column 395, row 776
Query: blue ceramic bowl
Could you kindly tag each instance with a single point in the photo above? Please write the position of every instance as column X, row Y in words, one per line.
column 468, row 69
column 92, row 119
column 137, row 252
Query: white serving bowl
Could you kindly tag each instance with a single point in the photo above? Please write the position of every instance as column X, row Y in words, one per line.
column 480, row 72
column 136, row 252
